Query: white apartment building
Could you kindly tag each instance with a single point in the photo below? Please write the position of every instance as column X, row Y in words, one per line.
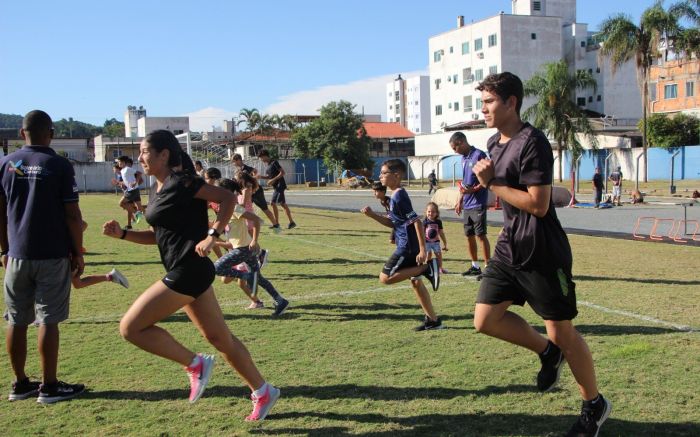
column 535, row 33
column 176, row 125
column 131, row 119
column 408, row 103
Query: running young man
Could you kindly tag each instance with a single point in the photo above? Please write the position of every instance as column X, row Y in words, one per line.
column 275, row 177
column 259, row 194
column 532, row 260
column 131, row 180
column 409, row 259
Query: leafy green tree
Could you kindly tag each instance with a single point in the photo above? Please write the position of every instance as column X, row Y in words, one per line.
column 74, row 129
column 113, row 128
column 337, row 136
column 666, row 132
column 12, row 121
column 622, row 41
column 555, row 112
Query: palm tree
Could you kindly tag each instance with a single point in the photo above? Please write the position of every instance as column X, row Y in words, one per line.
column 623, row 41
column 555, row 112
column 289, row 122
column 252, row 118
column 687, row 41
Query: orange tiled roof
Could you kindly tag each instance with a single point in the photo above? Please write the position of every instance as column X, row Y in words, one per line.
column 387, row 130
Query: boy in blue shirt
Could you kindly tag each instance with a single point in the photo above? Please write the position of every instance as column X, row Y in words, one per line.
column 409, row 259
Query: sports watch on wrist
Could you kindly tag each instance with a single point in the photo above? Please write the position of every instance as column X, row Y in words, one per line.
column 213, row 233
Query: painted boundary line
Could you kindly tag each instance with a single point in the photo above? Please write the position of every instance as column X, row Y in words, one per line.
column 650, row 319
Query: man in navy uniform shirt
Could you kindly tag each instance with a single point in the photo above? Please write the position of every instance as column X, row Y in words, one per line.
column 40, row 238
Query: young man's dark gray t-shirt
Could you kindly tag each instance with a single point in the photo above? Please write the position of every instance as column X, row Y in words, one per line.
column 528, row 242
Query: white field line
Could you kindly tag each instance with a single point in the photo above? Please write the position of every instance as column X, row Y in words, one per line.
column 384, row 289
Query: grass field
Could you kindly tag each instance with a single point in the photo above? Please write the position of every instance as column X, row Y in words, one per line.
column 347, row 360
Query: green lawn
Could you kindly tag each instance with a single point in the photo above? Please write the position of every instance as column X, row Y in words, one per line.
column 347, row 360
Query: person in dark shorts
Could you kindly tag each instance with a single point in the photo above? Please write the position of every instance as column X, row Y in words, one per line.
column 598, row 186
column 473, row 202
column 259, row 194
column 275, row 178
column 409, row 259
column 178, row 219
column 41, row 235
column 532, row 259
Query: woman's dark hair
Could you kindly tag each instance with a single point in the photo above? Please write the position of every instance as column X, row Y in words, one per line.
column 199, row 163
column 160, row 140
column 230, row 185
column 213, row 173
column 246, row 178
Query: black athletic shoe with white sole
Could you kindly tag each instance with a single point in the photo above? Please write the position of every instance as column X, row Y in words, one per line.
column 429, row 325
column 593, row 414
column 23, row 390
column 552, row 359
column 58, row 391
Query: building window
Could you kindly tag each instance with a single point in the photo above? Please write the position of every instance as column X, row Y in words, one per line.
column 670, row 91
column 493, row 69
column 455, row 106
column 599, row 98
column 398, row 119
column 493, row 40
column 398, row 109
column 689, row 89
column 590, row 99
column 581, row 101
column 583, row 43
column 454, row 78
column 465, row 48
column 391, row 107
column 478, row 44
column 437, row 84
column 533, row 36
column 449, row 105
column 590, row 71
column 438, row 110
column 417, row 130
column 451, row 49
column 437, row 55
column 467, row 103
column 396, row 96
column 389, row 93
column 479, row 74
column 478, row 103
column 536, row 5
column 597, row 70
column 467, row 76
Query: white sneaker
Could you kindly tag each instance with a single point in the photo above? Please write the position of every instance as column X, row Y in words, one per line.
column 119, row 278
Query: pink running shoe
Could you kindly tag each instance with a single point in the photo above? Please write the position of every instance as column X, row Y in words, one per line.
column 199, row 376
column 263, row 404
column 256, row 305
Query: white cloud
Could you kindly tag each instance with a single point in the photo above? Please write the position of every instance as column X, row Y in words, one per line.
column 365, row 93
column 203, row 119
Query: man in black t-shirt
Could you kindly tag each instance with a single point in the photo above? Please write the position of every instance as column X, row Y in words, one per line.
column 597, row 187
column 275, row 178
column 532, row 259
column 259, row 195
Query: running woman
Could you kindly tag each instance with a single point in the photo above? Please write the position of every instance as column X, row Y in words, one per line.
column 178, row 219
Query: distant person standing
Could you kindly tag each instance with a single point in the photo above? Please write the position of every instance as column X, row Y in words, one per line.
column 41, row 233
column 259, row 193
column 472, row 203
column 432, row 182
column 597, row 187
column 199, row 169
column 616, row 179
column 275, row 177
column 532, row 260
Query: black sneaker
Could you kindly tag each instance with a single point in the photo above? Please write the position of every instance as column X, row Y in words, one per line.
column 432, row 274
column 292, row 225
column 58, row 391
column 23, row 389
column 277, row 226
column 552, row 359
column 591, row 419
column 280, row 307
column 428, row 324
column 127, row 227
column 473, row 271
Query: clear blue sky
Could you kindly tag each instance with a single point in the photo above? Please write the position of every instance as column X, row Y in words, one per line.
column 90, row 59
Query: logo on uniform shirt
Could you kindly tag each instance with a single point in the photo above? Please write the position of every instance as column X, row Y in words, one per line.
column 16, row 167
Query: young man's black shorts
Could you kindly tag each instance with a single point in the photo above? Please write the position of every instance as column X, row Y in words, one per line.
column 552, row 295
column 278, row 196
column 192, row 277
column 132, row 196
column 401, row 259
column 259, row 199
column 474, row 221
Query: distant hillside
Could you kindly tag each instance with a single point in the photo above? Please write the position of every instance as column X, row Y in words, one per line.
column 10, row 121
column 63, row 128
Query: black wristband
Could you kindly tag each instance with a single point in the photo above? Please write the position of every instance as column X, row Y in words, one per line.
column 123, row 234
column 489, row 183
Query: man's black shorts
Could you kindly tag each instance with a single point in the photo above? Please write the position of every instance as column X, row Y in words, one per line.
column 278, row 196
column 401, row 259
column 474, row 221
column 552, row 295
column 132, row 196
column 192, row 276
column 259, row 199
